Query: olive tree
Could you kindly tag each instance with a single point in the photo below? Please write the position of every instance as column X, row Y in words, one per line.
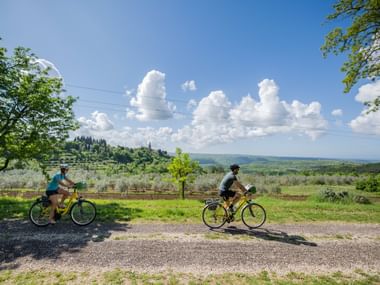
column 360, row 39
column 34, row 115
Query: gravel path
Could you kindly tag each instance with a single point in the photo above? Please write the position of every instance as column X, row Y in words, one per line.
column 309, row 248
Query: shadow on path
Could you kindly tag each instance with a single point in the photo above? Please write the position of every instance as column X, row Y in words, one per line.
column 267, row 234
column 20, row 239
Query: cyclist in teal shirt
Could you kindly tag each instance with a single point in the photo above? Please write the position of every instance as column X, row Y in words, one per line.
column 54, row 189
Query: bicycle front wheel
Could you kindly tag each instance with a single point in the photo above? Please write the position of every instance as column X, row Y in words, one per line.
column 253, row 215
column 39, row 214
column 214, row 215
column 83, row 213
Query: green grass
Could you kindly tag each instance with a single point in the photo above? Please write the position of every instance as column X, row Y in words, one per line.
column 313, row 211
column 189, row 211
column 315, row 189
column 119, row 276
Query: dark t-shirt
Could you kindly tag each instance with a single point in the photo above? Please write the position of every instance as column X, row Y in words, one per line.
column 227, row 182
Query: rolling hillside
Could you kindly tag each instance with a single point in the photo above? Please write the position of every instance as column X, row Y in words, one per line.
column 287, row 165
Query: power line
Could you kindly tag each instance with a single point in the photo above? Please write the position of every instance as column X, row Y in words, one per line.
column 121, row 93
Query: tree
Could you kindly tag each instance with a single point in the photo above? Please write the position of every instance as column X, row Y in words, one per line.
column 361, row 39
column 34, row 117
column 182, row 170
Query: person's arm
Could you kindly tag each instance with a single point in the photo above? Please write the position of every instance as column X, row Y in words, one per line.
column 70, row 181
column 240, row 186
column 62, row 184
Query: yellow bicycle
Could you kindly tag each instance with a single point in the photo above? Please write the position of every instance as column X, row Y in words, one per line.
column 215, row 214
column 82, row 212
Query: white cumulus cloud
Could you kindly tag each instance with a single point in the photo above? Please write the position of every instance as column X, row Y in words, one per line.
column 368, row 92
column 98, row 122
column 150, row 99
column 337, row 112
column 189, row 85
column 367, row 123
column 216, row 120
column 210, row 123
column 191, row 104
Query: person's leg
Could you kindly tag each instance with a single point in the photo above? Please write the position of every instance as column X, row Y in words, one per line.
column 229, row 198
column 226, row 199
column 226, row 203
column 65, row 194
column 236, row 198
column 54, row 203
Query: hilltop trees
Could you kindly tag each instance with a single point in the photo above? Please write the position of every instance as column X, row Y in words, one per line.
column 361, row 40
column 34, row 117
column 87, row 150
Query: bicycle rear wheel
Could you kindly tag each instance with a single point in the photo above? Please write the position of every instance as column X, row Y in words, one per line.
column 253, row 215
column 39, row 214
column 83, row 213
column 214, row 215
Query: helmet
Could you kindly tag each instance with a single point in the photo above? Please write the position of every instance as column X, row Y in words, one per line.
column 234, row 166
column 64, row 166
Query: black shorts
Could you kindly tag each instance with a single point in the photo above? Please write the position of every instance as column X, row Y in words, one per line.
column 51, row 192
column 227, row 194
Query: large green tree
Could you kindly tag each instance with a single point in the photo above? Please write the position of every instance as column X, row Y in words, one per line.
column 183, row 169
column 360, row 38
column 35, row 117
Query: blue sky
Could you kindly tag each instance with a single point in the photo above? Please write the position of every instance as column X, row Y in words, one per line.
column 214, row 76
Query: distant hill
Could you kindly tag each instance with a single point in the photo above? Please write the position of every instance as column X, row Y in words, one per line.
column 89, row 153
column 287, row 165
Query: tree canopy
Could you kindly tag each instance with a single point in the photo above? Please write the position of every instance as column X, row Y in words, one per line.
column 35, row 117
column 84, row 151
column 361, row 39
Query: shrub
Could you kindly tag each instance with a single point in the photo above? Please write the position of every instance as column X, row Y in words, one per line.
column 121, row 185
column 101, row 186
column 205, row 183
column 261, row 189
column 361, row 200
column 372, row 184
column 275, row 189
column 328, row 195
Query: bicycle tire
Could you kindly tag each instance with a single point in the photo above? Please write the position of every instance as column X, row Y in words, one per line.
column 214, row 215
column 39, row 214
column 83, row 212
column 253, row 215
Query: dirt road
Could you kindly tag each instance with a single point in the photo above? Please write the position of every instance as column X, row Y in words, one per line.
column 309, row 248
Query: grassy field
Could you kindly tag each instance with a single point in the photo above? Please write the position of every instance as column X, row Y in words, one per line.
column 118, row 276
column 189, row 211
column 315, row 189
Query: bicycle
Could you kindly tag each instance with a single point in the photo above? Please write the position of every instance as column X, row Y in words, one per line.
column 215, row 214
column 82, row 212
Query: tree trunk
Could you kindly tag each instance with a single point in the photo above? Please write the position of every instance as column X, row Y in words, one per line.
column 182, row 190
column 5, row 165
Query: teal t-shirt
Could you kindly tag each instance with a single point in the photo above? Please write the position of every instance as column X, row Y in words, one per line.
column 54, row 183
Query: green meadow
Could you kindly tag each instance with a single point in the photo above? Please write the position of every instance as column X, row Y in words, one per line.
column 189, row 211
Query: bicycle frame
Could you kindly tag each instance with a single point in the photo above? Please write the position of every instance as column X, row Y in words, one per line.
column 63, row 211
column 242, row 201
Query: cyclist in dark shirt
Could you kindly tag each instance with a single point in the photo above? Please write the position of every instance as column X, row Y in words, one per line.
column 225, row 186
